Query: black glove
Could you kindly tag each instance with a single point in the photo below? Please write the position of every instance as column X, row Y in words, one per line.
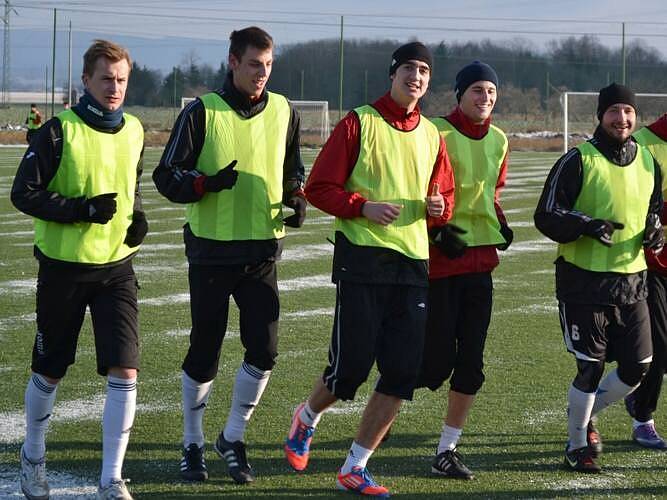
column 224, row 179
column 446, row 239
column 137, row 230
column 602, row 230
column 654, row 237
column 508, row 234
column 298, row 203
column 98, row 209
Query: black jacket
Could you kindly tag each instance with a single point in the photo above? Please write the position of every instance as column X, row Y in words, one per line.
column 556, row 219
column 175, row 175
column 31, row 196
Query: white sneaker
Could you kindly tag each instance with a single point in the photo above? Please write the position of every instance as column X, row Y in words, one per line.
column 33, row 479
column 115, row 491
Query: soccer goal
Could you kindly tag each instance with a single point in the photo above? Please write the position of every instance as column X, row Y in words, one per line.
column 314, row 121
column 186, row 100
column 580, row 113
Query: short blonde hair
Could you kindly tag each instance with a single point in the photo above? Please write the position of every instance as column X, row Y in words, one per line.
column 106, row 49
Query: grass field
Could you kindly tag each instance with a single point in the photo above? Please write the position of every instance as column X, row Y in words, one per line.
column 513, row 441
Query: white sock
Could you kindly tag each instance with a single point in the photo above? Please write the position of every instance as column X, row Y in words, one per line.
column 358, row 456
column 449, row 438
column 248, row 388
column 579, row 414
column 119, row 409
column 40, row 397
column 637, row 423
column 309, row 416
column 610, row 390
column 195, row 398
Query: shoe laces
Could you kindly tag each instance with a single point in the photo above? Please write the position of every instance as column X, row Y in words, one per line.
column 239, row 451
column 365, row 474
column 303, row 434
column 37, row 470
column 193, row 453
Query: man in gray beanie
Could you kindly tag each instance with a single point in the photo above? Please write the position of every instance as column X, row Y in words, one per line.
column 463, row 256
column 602, row 202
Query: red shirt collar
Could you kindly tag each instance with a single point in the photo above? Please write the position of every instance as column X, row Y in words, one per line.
column 659, row 127
column 466, row 126
column 397, row 116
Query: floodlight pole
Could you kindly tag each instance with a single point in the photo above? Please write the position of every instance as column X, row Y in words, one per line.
column 340, row 81
column 565, row 131
column 302, row 78
column 69, row 66
column 623, row 53
column 53, row 66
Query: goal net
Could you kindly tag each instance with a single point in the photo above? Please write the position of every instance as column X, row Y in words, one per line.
column 580, row 114
column 186, row 100
column 314, row 121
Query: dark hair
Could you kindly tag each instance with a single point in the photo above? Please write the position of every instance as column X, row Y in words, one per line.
column 33, row 105
column 254, row 36
column 107, row 49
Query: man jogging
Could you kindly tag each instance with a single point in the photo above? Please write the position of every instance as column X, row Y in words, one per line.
column 381, row 173
column 79, row 179
column 33, row 121
column 460, row 286
column 601, row 202
column 233, row 157
column 644, row 400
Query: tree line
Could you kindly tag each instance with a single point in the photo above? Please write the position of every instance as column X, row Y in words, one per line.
column 310, row 71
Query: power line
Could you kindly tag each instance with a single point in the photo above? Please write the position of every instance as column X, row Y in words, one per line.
column 356, row 25
column 379, row 15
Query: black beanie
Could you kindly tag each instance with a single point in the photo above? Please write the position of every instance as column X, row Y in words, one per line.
column 615, row 94
column 474, row 72
column 413, row 50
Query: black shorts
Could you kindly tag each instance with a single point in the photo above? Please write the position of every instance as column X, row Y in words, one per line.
column 607, row 333
column 255, row 291
column 61, row 307
column 383, row 323
column 459, row 313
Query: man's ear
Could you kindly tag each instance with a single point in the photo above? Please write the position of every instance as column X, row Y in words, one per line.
column 232, row 62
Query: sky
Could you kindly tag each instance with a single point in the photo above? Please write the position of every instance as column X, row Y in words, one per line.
column 164, row 33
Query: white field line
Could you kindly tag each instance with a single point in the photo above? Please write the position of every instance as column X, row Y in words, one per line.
column 166, row 208
column 149, row 268
column 302, row 283
column 327, row 311
column 185, row 332
column 13, row 422
column 550, row 308
column 348, row 407
column 19, row 287
column 545, row 416
column 17, row 221
column 307, row 252
column 12, row 234
column 63, row 486
column 518, row 210
column 12, row 321
column 323, row 219
column 542, row 245
column 160, row 247
column 603, row 483
column 522, row 224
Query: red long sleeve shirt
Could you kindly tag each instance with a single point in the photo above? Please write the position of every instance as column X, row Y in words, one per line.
column 475, row 259
column 325, row 187
column 658, row 263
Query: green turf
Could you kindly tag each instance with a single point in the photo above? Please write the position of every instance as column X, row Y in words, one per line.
column 513, row 441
